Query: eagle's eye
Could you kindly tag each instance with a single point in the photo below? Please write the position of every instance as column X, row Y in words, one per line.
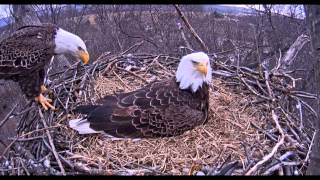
column 80, row 48
column 194, row 62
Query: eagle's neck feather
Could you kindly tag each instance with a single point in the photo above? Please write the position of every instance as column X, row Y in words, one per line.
column 189, row 78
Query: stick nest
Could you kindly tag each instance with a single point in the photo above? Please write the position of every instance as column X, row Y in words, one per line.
column 258, row 125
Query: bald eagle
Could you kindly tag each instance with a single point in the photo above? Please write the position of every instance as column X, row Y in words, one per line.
column 160, row 109
column 24, row 54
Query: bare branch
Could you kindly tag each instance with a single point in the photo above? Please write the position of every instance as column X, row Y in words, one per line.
column 184, row 37
column 309, row 150
column 185, row 20
column 294, row 49
column 275, row 148
column 8, row 115
column 52, row 143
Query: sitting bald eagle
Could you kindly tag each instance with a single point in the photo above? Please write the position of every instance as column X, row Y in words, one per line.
column 160, row 109
column 24, row 54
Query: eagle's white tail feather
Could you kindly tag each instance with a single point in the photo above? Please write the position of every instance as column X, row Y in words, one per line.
column 82, row 126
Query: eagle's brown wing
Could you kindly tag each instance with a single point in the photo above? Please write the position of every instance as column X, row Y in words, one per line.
column 24, row 54
column 27, row 49
column 157, row 110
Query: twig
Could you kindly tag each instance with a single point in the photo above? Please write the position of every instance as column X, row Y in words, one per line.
column 7, row 116
column 252, row 90
column 155, row 60
column 185, row 20
column 7, row 148
column 276, row 68
column 24, row 167
column 71, row 88
column 300, row 114
column 52, row 144
column 266, row 76
column 24, row 111
column 264, row 132
column 27, row 139
column 278, row 166
column 275, row 148
column 134, row 74
column 128, row 87
column 184, row 37
column 309, row 108
column 133, row 46
column 246, row 153
column 309, row 150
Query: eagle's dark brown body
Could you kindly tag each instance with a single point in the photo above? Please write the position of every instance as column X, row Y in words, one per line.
column 24, row 54
column 158, row 110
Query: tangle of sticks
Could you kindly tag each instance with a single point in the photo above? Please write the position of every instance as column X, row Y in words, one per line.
column 42, row 147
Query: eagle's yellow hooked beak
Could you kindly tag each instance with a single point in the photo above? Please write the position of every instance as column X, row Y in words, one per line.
column 202, row 68
column 84, row 56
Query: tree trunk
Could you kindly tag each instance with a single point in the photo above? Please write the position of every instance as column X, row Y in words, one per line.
column 10, row 92
column 313, row 23
column 12, row 100
column 294, row 49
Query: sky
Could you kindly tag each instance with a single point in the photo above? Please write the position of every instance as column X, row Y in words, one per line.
column 285, row 9
column 235, row 5
column 3, row 9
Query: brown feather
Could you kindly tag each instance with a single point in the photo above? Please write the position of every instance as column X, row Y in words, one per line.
column 24, row 54
column 157, row 110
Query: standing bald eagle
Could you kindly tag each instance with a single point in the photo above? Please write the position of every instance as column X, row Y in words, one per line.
column 24, row 54
column 166, row 108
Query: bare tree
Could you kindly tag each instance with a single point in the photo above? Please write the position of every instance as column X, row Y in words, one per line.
column 49, row 13
column 312, row 17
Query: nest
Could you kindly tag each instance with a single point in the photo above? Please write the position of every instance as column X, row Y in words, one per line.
column 253, row 127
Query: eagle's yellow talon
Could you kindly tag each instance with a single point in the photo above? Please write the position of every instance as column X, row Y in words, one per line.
column 44, row 102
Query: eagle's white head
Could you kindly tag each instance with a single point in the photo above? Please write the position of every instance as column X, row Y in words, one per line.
column 194, row 70
column 69, row 43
